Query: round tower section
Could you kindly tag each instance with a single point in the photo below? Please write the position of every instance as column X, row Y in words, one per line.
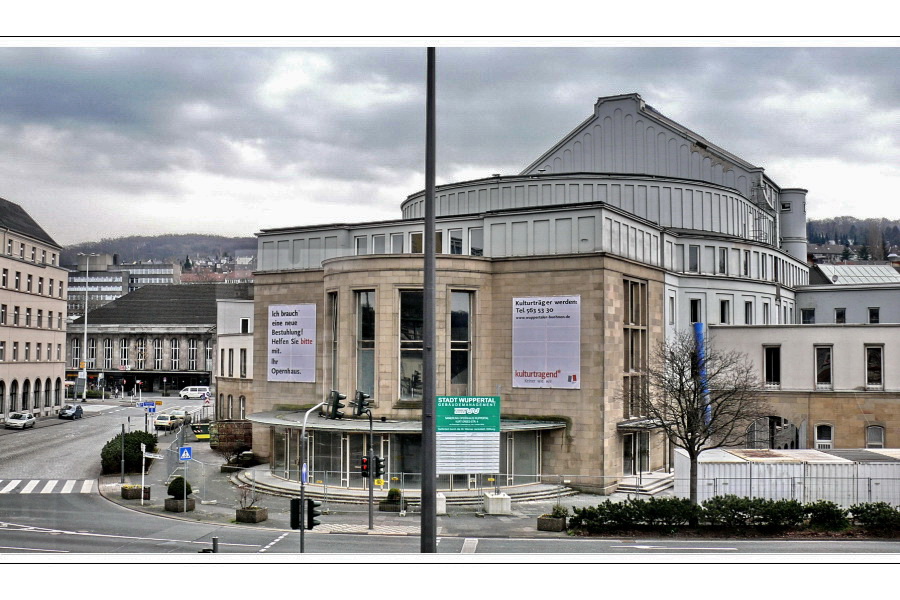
column 792, row 217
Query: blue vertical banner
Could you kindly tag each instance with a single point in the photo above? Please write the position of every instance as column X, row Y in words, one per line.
column 700, row 341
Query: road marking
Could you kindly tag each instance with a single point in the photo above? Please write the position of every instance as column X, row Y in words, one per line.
column 49, row 487
column 275, row 541
column 30, row 486
column 33, row 529
column 32, row 549
column 10, row 486
column 469, row 545
column 644, row 547
column 67, row 488
column 87, row 487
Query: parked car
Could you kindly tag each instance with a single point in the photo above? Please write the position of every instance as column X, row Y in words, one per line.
column 165, row 422
column 183, row 416
column 71, row 411
column 20, row 420
column 194, row 391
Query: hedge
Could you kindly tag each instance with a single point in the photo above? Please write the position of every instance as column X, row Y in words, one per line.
column 111, row 454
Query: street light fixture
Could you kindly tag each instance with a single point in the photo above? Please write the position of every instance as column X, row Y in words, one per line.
column 87, row 275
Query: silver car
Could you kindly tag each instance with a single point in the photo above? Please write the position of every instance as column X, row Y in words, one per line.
column 20, row 420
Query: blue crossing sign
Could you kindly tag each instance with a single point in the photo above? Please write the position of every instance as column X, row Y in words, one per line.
column 184, row 453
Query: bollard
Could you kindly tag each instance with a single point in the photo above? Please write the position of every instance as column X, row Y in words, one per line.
column 215, row 545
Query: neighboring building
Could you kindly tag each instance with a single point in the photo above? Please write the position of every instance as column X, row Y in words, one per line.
column 161, row 335
column 234, row 375
column 107, row 280
column 830, row 386
column 829, row 253
column 842, row 294
column 636, row 225
column 32, row 316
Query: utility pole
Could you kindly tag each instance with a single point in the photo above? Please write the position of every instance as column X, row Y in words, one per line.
column 429, row 435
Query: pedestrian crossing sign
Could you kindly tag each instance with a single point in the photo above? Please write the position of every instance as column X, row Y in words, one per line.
column 184, row 453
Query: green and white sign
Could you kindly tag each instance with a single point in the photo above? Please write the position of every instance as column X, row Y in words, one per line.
column 468, row 434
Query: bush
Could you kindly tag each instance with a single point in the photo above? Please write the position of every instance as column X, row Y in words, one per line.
column 729, row 511
column 667, row 512
column 559, row 511
column 177, row 488
column 779, row 514
column 111, row 454
column 827, row 515
column 876, row 517
column 393, row 495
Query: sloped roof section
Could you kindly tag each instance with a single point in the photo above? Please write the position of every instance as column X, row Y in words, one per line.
column 175, row 304
column 14, row 218
column 856, row 274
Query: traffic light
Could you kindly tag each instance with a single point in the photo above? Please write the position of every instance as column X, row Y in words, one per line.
column 379, row 467
column 364, row 466
column 361, row 403
column 336, row 405
column 312, row 511
column 295, row 513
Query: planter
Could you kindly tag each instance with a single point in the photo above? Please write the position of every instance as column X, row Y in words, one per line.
column 253, row 514
column 230, row 469
column 392, row 506
column 551, row 523
column 179, row 505
column 134, row 492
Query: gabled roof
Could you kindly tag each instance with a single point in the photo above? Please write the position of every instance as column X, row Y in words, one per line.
column 168, row 305
column 14, row 218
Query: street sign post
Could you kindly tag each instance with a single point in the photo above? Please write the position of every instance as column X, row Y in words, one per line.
column 185, row 454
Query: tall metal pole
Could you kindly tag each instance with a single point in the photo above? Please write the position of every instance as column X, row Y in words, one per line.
column 429, row 435
column 372, row 470
column 87, row 276
column 303, row 472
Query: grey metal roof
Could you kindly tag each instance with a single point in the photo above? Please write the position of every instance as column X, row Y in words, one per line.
column 855, row 274
column 14, row 218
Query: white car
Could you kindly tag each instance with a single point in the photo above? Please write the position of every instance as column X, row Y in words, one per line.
column 183, row 416
column 20, row 420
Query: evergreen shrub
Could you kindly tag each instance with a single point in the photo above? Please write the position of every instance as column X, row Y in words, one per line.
column 176, row 488
column 827, row 515
column 111, row 454
column 878, row 518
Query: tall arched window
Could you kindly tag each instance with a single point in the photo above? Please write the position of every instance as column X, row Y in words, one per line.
column 14, row 396
column 37, row 394
column 2, row 397
column 58, row 392
column 26, row 392
column 48, row 395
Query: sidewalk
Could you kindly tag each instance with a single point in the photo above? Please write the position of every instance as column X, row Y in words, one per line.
column 217, row 504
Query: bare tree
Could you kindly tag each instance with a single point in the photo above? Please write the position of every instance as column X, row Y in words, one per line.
column 701, row 397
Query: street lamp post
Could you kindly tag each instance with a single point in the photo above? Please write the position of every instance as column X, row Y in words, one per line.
column 87, row 275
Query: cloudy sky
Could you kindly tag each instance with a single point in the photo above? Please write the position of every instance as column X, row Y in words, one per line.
column 114, row 141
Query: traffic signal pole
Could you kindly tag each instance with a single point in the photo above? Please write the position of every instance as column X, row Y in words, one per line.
column 303, row 473
column 371, row 455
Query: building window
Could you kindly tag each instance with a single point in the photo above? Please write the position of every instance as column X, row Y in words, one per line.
column 2, row 357
column 748, row 312
column 141, row 353
column 107, row 353
column 27, row 317
column 415, row 242
column 157, row 354
column 377, row 245
column 40, row 318
column 360, row 243
column 28, row 280
column 694, row 259
column 15, row 315
column 763, row 264
column 635, row 350
column 27, row 351
column 92, row 352
column 766, row 314
column 15, row 353
column 411, row 345
column 396, row 243
column 2, row 314
column 22, row 251
column 174, row 351
column 365, row 342
column 245, row 325
column 5, row 277
column 9, row 247
column 874, row 314
column 209, row 355
column 333, row 320
column 123, row 352
column 824, row 437
column 695, row 310
column 222, row 362
column 807, row 316
column 772, row 366
column 874, row 436
column 192, row 354
column 840, row 315
column 37, row 352
column 460, row 342
column 476, row 241
column 874, row 367
column 746, row 263
column 823, row 367
column 231, row 362
column 18, row 280
column 456, row 241
column 671, row 310
column 723, row 261
column 76, row 353
column 243, row 363
column 724, row 312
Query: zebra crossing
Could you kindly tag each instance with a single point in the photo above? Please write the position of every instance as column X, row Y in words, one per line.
column 48, row 486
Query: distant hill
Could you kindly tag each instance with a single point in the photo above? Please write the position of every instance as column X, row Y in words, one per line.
column 844, row 230
column 161, row 247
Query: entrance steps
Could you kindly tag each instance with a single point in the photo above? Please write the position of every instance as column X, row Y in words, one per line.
column 647, row 484
column 274, row 486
